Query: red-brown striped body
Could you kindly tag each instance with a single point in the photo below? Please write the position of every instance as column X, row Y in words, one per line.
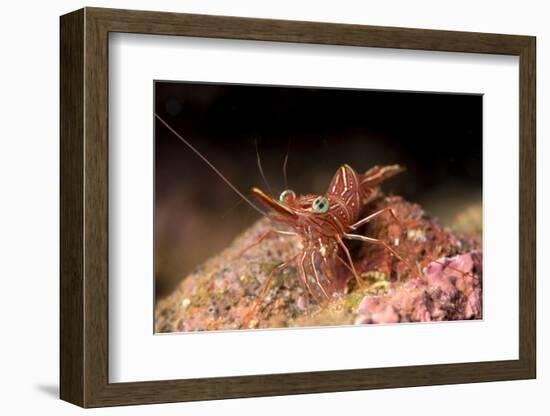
column 346, row 195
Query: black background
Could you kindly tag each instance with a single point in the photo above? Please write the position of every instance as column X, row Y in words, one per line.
column 438, row 137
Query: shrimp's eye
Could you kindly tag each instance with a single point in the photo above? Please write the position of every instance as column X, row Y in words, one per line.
column 287, row 195
column 320, row 204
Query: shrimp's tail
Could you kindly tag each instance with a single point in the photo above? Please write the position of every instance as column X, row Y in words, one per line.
column 377, row 174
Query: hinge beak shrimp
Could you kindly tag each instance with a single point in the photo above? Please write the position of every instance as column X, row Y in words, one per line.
column 323, row 222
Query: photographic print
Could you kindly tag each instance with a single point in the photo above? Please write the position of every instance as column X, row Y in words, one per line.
column 253, row 179
column 281, row 207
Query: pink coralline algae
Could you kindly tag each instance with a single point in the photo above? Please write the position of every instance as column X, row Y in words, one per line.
column 448, row 289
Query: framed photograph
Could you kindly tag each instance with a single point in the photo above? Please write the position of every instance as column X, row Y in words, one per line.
column 255, row 207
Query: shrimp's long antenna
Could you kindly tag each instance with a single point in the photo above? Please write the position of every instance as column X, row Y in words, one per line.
column 284, row 171
column 285, row 164
column 259, row 162
column 205, row 160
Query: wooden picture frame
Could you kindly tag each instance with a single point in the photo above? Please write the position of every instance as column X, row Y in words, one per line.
column 84, row 207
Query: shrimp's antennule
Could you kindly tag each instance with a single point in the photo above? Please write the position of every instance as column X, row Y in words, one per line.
column 285, row 163
column 260, row 168
column 205, row 160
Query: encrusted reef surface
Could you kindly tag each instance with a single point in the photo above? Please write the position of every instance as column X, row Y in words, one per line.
column 446, row 285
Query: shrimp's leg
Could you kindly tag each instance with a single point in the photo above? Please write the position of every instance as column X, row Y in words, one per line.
column 262, row 237
column 306, row 292
column 304, row 276
column 447, row 265
column 327, row 271
column 341, row 260
column 385, row 245
column 348, row 255
column 265, row 286
column 316, row 275
column 376, row 214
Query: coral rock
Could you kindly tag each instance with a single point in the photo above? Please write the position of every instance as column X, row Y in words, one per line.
column 448, row 289
column 220, row 293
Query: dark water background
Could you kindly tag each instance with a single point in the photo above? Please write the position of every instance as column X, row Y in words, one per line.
column 438, row 137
